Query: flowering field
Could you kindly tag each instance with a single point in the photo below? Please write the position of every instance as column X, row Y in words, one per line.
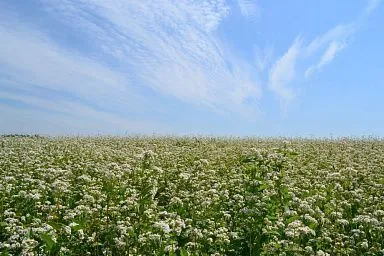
column 191, row 196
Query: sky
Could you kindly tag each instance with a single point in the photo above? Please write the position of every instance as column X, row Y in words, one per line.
column 192, row 67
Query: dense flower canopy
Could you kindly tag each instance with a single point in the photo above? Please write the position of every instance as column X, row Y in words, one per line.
column 191, row 196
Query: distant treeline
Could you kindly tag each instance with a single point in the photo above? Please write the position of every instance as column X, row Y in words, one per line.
column 21, row 136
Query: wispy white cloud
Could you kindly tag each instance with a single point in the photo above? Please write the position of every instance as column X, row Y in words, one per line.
column 371, row 6
column 332, row 42
column 165, row 46
column 333, row 48
column 169, row 46
column 336, row 39
column 329, row 44
column 263, row 57
column 30, row 62
column 31, row 59
column 283, row 72
column 339, row 33
column 249, row 8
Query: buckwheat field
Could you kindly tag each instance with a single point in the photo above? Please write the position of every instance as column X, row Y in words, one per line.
column 191, row 196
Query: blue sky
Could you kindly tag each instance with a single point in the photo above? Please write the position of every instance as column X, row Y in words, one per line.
column 208, row 67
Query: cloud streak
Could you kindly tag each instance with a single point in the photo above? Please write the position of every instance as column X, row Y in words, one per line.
column 331, row 43
column 283, row 72
column 333, row 48
column 169, row 46
column 249, row 8
column 126, row 54
column 39, row 62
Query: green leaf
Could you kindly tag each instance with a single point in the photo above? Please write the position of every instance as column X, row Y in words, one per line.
column 77, row 227
column 292, row 219
column 285, row 191
column 3, row 224
column 272, row 218
column 292, row 153
column 56, row 225
column 274, row 232
column 312, row 225
column 262, row 187
column 183, row 252
column 48, row 241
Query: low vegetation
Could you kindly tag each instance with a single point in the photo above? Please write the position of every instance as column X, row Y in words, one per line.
column 191, row 196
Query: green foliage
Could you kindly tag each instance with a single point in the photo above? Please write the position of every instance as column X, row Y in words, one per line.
column 190, row 196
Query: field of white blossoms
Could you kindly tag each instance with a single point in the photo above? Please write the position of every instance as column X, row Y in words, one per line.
column 191, row 196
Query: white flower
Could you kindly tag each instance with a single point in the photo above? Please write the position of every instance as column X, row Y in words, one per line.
column 67, row 230
column 73, row 224
column 81, row 234
column 170, row 248
column 163, row 226
column 364, row 245
column 320, row 253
